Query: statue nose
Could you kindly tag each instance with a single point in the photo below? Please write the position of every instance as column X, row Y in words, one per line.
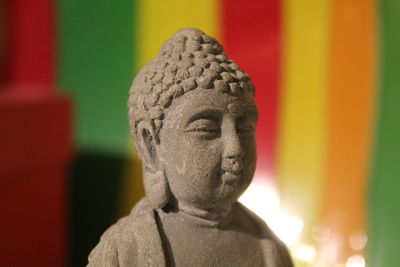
column 233, row 147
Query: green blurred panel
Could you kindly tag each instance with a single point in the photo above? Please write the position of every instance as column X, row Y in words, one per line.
column 94, row 184
column 384, row 234
column 96, row 67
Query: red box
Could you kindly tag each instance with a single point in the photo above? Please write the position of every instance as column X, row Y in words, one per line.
column 35, row 151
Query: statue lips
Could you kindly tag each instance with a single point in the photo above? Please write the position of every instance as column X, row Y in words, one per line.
column 232, row 172
column 231, row 177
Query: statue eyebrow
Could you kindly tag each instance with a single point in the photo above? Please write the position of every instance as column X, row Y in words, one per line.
column 206, row 111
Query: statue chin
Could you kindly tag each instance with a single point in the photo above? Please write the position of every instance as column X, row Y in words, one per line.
column 193, row 115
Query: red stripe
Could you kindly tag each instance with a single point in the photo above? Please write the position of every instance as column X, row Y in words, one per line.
column 252, row 35
column 31, row 43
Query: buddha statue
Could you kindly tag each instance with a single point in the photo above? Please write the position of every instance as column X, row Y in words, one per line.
column 193, row 116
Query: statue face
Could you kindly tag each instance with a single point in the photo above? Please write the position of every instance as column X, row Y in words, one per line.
column 207, row 147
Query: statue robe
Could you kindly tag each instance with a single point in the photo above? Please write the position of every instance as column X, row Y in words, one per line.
column 135, row 241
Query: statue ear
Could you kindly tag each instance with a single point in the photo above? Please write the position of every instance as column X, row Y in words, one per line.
column 154, row 180
column 147, row 145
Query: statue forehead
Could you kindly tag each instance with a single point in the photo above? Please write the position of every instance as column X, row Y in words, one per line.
column 201, row 99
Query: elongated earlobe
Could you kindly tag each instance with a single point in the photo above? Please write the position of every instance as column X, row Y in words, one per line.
column 154, row 180
column 156, row 188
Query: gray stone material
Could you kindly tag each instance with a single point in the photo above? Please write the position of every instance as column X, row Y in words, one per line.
column 193, row 116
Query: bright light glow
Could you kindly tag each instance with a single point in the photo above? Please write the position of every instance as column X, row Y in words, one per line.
column 321, row 234
column 358, row 240
column 355, row 261
column 329, row 250
column 263, row 199
column 287, row 227
column 304, row 252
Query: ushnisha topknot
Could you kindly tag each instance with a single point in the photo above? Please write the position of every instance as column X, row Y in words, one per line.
column 189, row 60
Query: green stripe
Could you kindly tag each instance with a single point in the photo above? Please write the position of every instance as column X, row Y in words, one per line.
column 385, row 184
column 96, row 67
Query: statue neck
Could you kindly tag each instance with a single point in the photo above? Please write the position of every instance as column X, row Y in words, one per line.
column 219, row 217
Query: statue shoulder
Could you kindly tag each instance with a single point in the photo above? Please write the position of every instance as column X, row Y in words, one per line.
column 276, row 254
column 133, row 241
column 106, row 251
column 118, row 243
column 252, row 221
column 275, row 251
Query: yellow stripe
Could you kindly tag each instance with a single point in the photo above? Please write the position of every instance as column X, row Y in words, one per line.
column 157, row 21
column 160, row 19
column 302, row 139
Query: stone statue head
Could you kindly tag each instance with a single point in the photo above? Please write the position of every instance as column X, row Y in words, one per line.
column 192, row 113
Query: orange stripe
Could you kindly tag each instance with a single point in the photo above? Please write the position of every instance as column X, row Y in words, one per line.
column 351, row 111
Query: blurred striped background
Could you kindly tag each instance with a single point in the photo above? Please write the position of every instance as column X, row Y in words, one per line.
column 327, row 76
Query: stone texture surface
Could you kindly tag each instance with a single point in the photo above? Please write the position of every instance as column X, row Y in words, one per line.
column 192, row 113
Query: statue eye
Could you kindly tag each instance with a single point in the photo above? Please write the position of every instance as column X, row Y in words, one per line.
column 204, row 127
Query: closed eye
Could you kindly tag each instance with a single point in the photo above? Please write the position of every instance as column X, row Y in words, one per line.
column 204, row 126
